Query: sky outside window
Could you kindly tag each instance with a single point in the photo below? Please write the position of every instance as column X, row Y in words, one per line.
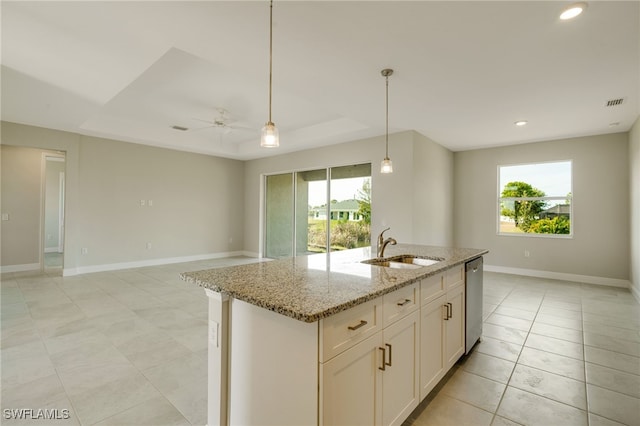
column 341, row 189
column 552, row 178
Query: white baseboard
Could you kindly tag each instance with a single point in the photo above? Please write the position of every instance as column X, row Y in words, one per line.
column 20, row 268
column 251, row 253
column 636, row 292
column 67, row 272
column 588, row 279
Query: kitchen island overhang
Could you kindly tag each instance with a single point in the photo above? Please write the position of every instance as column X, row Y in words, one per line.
column 265, row 320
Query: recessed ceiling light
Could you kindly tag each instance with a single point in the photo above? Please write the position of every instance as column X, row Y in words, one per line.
column 521, row 123
column 573, row 11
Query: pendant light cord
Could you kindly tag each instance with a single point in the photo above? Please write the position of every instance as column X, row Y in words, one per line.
column 270, row 54
column 387, row 125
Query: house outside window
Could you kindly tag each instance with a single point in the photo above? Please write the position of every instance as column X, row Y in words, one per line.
column 535, row 199
column 316, row 211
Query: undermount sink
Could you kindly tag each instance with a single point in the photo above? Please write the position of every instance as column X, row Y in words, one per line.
column 404, row 261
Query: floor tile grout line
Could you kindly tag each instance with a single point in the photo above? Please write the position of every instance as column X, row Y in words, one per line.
column 613, row 368
column 514, row 368
column 541, row 396
column 586, row 383
column 57, row 371
column 584, row 363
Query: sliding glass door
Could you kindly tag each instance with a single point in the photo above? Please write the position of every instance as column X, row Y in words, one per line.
column 279, row 216
column 350, row 200
column 311, row 229
column 316, row 211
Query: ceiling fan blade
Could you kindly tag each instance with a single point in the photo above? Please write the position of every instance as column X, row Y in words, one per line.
column 205, row 121
column 195, row 129
column 244, row 128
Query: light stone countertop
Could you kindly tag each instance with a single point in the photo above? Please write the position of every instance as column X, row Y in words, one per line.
column 309, row 288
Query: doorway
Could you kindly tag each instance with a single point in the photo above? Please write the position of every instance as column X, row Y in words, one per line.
column 53, row 212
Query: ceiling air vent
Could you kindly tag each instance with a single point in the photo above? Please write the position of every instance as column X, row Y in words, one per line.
column 183, row 129
column 614, row 102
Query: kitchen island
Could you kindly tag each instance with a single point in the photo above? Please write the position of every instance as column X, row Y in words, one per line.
column 310, row 339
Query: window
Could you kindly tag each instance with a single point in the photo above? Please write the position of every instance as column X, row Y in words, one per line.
column 535, row 199
column 316, row 211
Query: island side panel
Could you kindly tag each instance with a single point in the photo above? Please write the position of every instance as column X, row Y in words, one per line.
column 273, row 368
column 217, row 358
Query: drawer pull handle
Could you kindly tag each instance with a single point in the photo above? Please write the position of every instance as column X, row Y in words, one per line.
column 389, row 346
column 384, row 355
column 450, row 310
column 446, row 315
column 404, row 303
column 355, row 327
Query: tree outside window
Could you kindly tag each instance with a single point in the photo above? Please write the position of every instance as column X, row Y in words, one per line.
column 535, row 199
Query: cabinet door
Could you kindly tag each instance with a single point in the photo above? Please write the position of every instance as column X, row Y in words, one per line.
column 454, row 338
column 350, row 388
column 431, row 345
column 400, row 388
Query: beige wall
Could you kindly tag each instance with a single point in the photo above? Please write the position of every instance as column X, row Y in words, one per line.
column 22, row 170
column 600, row 245
column 634, row 190
column 415, row 200
column 197, row 200
column 432, row 193
column 200, row 203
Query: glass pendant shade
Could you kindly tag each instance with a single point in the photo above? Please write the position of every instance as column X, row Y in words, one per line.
column 270, row 137
column 386, row 166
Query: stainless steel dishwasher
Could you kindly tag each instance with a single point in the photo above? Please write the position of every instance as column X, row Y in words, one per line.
column 473, row 291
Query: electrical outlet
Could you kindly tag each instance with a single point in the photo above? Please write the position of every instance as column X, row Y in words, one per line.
column 148, row 246
column 150, row 203
column 84, row 250
column 527, row 253
column 143, row 202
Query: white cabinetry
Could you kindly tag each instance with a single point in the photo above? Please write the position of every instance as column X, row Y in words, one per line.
column 441, row 326
column 350, row 386
column 454, row 325
column 368, row 365
column 400, row 388
column 431, row 340
column 369, row 374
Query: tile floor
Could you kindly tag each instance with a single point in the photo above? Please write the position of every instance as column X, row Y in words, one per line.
column 129, row 348
column 113, row 348
column 553, row 353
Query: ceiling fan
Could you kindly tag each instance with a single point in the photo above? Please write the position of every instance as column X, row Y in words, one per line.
column 223, row 122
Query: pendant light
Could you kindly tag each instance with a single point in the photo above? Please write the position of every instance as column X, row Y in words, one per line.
column 270, row 137
column 386, row 166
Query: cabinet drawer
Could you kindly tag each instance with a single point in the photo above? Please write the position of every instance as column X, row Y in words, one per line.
column 454, row 276
column 431, row 288
column 343, row 330
column 400, row 303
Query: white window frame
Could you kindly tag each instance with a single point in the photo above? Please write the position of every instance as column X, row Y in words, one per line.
column 546, row 198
